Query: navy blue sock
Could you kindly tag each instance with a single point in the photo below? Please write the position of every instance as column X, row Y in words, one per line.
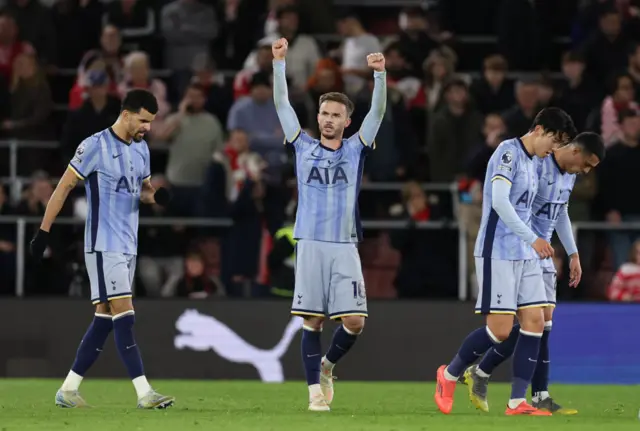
column 500, row 352
column 525, row 358
column 340, row 344
column 126, row 344
column 92, row 344
column 311, row 356
column 474, row 346
column 540, row 381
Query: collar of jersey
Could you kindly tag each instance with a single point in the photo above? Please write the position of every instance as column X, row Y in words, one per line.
column 524, row 148
column 555, row 162
column 118, row 137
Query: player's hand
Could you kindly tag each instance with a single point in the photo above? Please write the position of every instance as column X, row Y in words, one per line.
column 376, row 61
column 575, row 271
column 279, row 48
column 38, row 244
column 543, row 248
column 162, row 197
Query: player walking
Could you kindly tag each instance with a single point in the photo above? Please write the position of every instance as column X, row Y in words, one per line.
column 557, row 176
column 328, row 274
column 507, row 267
column 115, row 166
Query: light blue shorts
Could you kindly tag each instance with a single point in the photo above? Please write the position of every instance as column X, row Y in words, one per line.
column 110, row 274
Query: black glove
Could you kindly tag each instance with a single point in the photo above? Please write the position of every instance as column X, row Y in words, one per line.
column 39, row 244
column 162, row 196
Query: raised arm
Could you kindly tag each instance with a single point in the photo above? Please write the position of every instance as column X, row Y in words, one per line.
column 286, row 114
column 373, row 120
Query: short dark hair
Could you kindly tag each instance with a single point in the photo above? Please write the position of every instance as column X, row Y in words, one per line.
column 572, row 57
column 283, row 10
column 197, row 86
column 342, row 98
column 591, row 143
column 137, row 100
column 614, row 81
column 557, row 122
column 455, row 82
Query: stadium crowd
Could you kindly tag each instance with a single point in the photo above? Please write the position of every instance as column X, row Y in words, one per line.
column 217, row 142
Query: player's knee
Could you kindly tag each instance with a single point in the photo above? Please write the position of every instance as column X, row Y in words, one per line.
column 548, row 314
column 119, row 306
column 532, row 320
column 499, row 326
column 353, row 324
column 103, row 309
column 314, row 323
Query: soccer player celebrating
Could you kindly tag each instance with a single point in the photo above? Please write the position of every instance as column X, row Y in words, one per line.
column 328, row 273
column 557, row 175
column 114, row 164
column 508, row 271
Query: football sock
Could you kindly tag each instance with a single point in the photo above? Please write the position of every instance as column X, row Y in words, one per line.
column 311, row 354
column 540, row 380
column 475, row 345
column 524, row 363
column 128, row 350
column 500, row 352
column 88, row 351
column 342, row 341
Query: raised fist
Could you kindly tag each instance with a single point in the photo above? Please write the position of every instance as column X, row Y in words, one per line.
column 376, row 61
column 279, row 48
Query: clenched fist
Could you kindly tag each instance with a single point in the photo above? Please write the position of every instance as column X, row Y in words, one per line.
column 279, row 48
column 376, row 61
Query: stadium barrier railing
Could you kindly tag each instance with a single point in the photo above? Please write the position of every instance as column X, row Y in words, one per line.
column 192, row 339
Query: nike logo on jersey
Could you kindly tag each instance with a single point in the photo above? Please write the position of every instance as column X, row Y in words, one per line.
column 115, row 156
column 550, row 182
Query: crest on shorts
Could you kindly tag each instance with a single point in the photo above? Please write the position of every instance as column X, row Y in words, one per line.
column 506, row 158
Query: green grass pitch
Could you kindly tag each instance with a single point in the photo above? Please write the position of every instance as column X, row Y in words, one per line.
column 224, row 405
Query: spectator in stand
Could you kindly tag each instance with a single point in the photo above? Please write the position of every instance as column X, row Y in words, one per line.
column 414, row 279
column 194, row 135
column 400, row 75
column 620, row 98
column 618, row 184
column 625, row 286
column 10, row 45
column 35, row 22
column 50, row 278
column 188, row 28
column 546, row 92
column 7, row 247
column 263, row 63
column 241, row 28
column 161, row 267
column 414, row 40
column 108, row 58
column 271, row 21
column 519, row 117
column 219, row 94
column 303, row 54
column 453, row 132
column 493, row 92
column 633, row 67
column 358, row 43
column 31, row 102
column 196, row 284
column 137, row 76
column 575, row 92
column 439, row 68
column 607, row 48
column 136, row 20
column 257, row 116
column 78, row 26
column 97, row 113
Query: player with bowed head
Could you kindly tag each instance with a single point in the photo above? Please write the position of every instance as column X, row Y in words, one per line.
column 557, row 176
column 328, row 273
column 507, row 267
column 114, row 164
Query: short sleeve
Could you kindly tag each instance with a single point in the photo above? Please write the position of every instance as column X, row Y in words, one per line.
column 300, row 139
column 357, row 143
column 503, row 164
column 86, row 159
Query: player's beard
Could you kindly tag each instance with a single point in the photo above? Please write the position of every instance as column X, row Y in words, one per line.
column 332, row 134
column 138, row 137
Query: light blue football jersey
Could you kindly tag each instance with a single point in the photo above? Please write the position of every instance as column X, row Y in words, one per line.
column 113, row 171
column 512, row 163
column 328, row 188
column 551, row 200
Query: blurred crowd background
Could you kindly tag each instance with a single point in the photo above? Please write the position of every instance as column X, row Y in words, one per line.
column 462, row 76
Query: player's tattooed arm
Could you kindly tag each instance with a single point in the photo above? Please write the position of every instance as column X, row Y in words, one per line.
column 286, row 114
column 373, row 120
column 67, row 183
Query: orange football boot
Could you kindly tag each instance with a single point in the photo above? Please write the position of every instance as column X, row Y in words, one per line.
column 525, row 409
column 445, row 389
